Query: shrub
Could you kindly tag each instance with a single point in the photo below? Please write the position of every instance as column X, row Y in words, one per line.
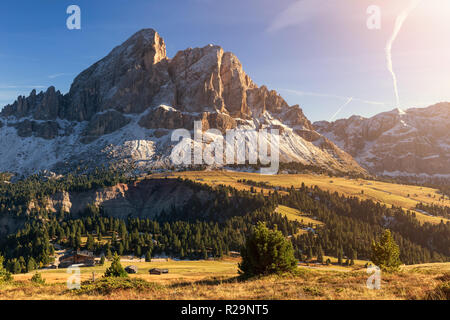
column 266, row 252
column 37, row 278
column 112, row 284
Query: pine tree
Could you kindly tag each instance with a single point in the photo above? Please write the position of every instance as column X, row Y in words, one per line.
column 90, row 243
column 5, row 275
column 116, row 269
column 31, row 265
column 148, row 255
column 102, row 260
column 386, row 253
column 265, row 252
column 320, row 254
column 340, row 256
column 310, row 254
column 204, row 253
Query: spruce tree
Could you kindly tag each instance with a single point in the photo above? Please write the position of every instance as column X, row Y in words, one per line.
column 148, row 255
column 265, row 252
column 5, row 275
column 386, row 253
column 116, row 269
column 320, row 254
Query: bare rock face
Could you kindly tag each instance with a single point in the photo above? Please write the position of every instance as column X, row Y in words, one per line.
column 209, row 79
column 262, row 100
column 411, row 142
column 220, row 121
column 47, row 130
column 162, row 117
column 294, row 116
column 104, row 123
column 128, row 80
column 144, row 199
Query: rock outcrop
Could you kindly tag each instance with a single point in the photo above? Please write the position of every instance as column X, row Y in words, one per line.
column 104, row 123
column 46, row 129
column 143, row 199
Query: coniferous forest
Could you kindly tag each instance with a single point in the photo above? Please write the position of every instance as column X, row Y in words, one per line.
column 209, row 228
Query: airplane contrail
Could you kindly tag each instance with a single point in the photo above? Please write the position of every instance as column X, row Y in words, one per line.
column 340, row 109
column 398, row 26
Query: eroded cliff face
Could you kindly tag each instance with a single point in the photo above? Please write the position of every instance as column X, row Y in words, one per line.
column 411, row 142
column 123, row 108
column 143, row 199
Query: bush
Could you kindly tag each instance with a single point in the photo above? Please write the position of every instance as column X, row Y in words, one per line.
column 37, row 278
column 116, row 269
column 266, row 252
column 113, row 284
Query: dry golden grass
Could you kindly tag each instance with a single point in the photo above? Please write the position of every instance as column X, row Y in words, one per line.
column 296, row 215
column 405, row 196
column 413, row 282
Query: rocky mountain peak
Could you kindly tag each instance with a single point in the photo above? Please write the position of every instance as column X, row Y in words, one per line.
column 397, row 142
column 125, row 105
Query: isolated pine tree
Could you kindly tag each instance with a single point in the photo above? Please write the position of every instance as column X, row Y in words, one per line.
column 116, row 269
column 266, row 252
column 386, row 253
column 102, row 260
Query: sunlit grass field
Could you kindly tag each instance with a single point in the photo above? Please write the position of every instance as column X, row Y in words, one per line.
column 178, row 270
column 296, row 215
column 218, row 279
column 405, row 196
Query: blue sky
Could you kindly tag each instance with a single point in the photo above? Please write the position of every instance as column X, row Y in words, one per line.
column 315, row 53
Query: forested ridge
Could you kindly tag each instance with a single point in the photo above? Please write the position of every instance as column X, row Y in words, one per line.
column 213, row 227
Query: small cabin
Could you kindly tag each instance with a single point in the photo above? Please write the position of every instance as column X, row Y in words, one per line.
column 80, row 258
column 158, row 271
column 131, row 269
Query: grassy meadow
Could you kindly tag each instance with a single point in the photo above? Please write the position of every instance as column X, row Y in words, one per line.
column 218, row 279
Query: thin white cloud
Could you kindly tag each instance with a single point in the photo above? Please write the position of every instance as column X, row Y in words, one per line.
column 340, row 109
column 8, row 87
column 326, row 95
column 57, row 75
column 301, row 11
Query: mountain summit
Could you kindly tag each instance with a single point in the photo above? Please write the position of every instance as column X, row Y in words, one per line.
column 121, row 110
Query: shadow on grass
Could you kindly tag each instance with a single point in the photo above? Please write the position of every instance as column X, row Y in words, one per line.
column 216, row 281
